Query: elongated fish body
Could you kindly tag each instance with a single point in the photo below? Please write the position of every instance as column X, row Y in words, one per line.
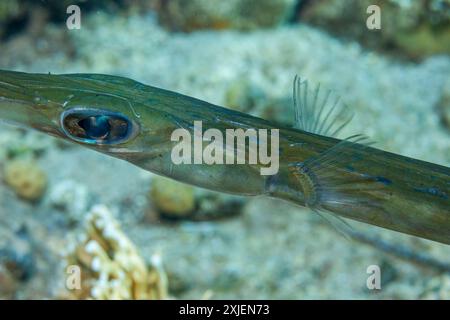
column 344, row 177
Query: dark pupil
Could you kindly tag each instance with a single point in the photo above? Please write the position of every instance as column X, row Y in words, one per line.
column 96, row 127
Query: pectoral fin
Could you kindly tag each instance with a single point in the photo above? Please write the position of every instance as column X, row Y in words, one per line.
column 326, row 180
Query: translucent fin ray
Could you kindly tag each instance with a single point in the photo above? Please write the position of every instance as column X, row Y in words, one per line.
column 328, row 179
column 319, row 113
column 339, row 224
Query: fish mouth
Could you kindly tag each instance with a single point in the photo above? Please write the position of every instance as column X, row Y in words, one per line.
column 25, row 116
column 23, row 107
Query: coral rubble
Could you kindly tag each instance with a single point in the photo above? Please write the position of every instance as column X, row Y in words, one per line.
column 111, row 267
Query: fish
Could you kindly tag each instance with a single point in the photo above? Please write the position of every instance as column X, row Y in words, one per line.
column 337, row 178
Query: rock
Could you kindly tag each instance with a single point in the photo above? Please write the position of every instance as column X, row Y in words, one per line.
column 177, row 200
column 9, row 10
column 171, row 198
column 26, row 178
column 242, row 95
column 416, row 29
column 180, row 15
column 35, row 15
column 71, row 197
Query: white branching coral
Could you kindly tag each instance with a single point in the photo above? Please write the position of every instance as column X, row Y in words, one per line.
column 110, row 265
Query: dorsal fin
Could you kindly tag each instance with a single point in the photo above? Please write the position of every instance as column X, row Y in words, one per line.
column 322, row 182
column 318, row 112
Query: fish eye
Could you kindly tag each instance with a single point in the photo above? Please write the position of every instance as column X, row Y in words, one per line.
column 97, row 126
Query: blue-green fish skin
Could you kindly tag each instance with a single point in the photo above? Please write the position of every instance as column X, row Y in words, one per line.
column 403, row 194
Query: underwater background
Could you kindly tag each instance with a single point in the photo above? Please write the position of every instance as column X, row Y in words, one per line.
column 136, row 235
